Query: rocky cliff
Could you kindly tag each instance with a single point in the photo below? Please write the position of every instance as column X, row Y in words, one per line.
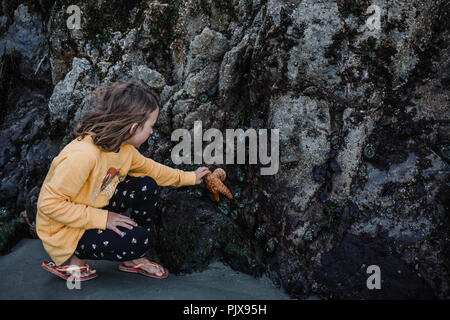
column 363, row 115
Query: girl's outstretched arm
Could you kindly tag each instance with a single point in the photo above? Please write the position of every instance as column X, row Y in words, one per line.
column 163, row 175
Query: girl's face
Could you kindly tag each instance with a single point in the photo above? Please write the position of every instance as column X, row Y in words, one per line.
column 141, row 134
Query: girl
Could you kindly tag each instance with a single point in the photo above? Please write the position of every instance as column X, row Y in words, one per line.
column 99, row 196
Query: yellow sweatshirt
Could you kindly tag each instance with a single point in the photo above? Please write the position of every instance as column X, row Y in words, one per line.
column 80, row 181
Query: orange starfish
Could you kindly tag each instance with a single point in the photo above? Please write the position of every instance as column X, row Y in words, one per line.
column 214, row 184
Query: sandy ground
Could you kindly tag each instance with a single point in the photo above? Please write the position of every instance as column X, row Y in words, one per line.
column 22, row 277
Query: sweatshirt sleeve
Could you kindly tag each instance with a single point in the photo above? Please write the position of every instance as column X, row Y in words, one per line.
column 163, row 175
column 70, row 174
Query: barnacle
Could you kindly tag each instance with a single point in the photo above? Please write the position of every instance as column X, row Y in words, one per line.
column 237, row 193
column 260, row 232
column 203, row 97
column 444, row 149
column 271, row 244
column 334, row 140
column 363, row 170
column 223, row 208
column 240, row 174
column 369, row 151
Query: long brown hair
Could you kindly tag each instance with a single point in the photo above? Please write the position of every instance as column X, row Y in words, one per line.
column 119, row 106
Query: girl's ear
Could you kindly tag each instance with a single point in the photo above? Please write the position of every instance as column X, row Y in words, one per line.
column 133, row 128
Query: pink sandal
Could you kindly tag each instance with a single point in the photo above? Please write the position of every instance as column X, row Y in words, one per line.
column 67, row 271
column 136, row 269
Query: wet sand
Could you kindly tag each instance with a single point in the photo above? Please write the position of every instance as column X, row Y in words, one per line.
column 22, row 277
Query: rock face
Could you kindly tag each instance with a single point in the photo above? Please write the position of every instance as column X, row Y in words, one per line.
column 362, row 113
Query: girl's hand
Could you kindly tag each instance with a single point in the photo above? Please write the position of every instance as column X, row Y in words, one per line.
column 200, row 173
column 114, row 220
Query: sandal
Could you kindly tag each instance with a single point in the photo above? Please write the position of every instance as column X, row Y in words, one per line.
column 136, row 269
column 67, row 271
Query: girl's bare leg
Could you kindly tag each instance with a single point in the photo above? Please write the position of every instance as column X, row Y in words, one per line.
column 147, row 268
column 76, row 261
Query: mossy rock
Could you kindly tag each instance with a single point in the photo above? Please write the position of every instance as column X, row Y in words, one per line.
column 261, row 231
column 8, row 232
column 5, row 215
column 234, row 248
column 192, row 233
column 185, row 247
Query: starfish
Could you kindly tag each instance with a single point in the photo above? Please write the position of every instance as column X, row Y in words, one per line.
column 214, row 184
